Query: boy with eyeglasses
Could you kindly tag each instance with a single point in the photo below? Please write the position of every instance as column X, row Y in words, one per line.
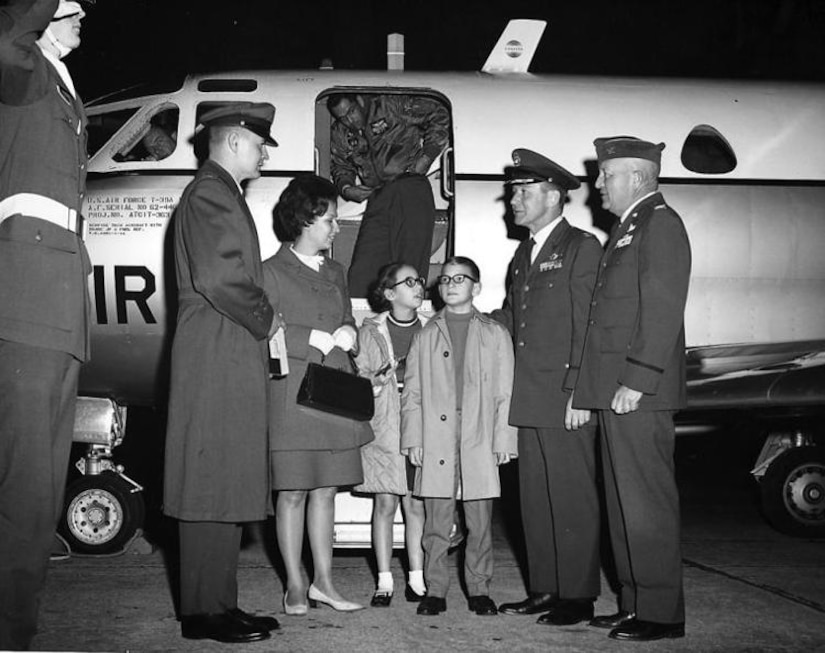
column 454, row 428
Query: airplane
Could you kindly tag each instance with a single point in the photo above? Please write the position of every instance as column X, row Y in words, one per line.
column 739, row 167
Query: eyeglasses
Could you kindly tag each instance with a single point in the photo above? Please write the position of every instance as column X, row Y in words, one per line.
column 457, row 279
column 411, row 282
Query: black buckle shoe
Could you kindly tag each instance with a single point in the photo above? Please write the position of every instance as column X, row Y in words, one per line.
column 411, row 595
column 637, row 630
column 612, row 620
column 432, row 605
column 221, row 628
column 533, row 604
column 482, row 605
column 567, row 613
column 381, row 599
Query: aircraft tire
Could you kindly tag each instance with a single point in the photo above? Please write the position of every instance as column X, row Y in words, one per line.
column 793, row 492
column 101, row 514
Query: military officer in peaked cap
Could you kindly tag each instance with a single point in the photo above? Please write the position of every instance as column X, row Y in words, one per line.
column 217, row 451
column 633, row 374
column 551, row 279
column 44, row 304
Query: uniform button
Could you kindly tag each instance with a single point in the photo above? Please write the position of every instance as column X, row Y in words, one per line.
column 593, row 303
column 441, row 462
column 604, row 264
column 38, row 237
column 592, row 323
column 526, row 288
column 522, row 325
column 567, row 366
column 524, row 307
column 600, row 284
column 446, row 354
column 549, row 285
column 443, row 418
column 521, row 343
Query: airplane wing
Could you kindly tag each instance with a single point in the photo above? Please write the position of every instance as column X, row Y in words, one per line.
column 786, row 375
column 515, row 47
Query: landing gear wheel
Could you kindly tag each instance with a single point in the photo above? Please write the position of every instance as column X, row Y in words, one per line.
column 793, row 492
column 101, row 514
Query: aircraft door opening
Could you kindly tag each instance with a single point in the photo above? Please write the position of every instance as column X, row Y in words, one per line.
column 440, row 175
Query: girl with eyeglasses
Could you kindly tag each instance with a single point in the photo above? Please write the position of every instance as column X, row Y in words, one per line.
column 383, row 344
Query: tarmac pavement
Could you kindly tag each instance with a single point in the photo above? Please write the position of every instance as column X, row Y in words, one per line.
column 747, row 587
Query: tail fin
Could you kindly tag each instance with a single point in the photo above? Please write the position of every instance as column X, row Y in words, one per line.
column 516, row 47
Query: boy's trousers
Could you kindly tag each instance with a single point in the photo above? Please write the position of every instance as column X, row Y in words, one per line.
column 478, row 554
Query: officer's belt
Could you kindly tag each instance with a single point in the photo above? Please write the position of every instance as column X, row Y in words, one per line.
column 44, row 208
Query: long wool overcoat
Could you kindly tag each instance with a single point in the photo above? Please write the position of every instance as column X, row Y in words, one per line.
column 217, row 464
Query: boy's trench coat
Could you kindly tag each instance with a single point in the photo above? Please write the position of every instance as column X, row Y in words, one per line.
column 429, row 414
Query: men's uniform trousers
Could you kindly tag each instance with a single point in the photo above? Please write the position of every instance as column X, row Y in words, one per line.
column 38, row 391
column 643, row 512
column 209, row 553
column 478, row 552
column 560, row 511
column 397, row 226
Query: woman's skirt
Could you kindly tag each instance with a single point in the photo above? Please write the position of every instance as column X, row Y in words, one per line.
column 308, row 470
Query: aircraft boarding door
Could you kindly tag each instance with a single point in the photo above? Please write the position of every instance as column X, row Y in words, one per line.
column 353, row 511
column 440, row 175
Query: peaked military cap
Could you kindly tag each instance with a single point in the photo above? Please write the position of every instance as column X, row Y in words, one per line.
column 255, row 116
column 531, row 167
column 619, row 147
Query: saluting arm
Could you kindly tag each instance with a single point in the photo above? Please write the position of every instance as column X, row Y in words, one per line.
column 23, row 72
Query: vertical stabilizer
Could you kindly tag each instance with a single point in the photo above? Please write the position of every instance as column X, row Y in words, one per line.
column 516, row 47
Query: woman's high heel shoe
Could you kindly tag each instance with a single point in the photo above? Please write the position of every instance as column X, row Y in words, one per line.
column 316, row 596
column 294, row 610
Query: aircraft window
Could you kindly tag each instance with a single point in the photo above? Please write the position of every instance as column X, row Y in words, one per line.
column 105, row 125
column 227, row 85
column 705, row 150
column 153, row 139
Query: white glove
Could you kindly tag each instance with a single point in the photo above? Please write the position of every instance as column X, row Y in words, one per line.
column 322, row 341
column 345, row 337
column 66, row 8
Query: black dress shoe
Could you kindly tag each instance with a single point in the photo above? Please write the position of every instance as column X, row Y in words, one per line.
column 221, row 628
column 612, row 620
column 381, row 599
column 411, row 595
column 637, row 630
column 482, row 605
column 432, row 605
column 254, row 620
column 533, row 604
column 566, row 613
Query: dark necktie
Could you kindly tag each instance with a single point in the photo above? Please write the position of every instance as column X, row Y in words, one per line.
column 531, row 244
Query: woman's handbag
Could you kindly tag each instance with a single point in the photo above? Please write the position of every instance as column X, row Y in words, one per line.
column 337, row 392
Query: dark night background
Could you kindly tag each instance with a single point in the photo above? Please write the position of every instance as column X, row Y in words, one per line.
column 126, row 42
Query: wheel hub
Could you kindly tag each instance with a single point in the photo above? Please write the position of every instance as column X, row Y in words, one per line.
column 95, row 517
column 805, row 493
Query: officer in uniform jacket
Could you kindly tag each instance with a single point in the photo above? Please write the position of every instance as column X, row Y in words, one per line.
column 550, row 286
column 633, row 373
column 44, row 307
column 216, row 474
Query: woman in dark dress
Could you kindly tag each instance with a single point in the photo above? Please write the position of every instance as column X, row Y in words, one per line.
column 312, row 453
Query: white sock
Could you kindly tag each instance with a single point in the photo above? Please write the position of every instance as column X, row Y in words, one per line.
column 417, row 581
column 385, row 580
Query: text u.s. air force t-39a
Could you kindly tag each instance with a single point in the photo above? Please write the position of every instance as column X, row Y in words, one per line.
column 739, row 167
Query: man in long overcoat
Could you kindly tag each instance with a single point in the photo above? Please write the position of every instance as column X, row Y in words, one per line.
column 551, row 281
column 216, row 473
column 44, row 303
column 633, row 373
